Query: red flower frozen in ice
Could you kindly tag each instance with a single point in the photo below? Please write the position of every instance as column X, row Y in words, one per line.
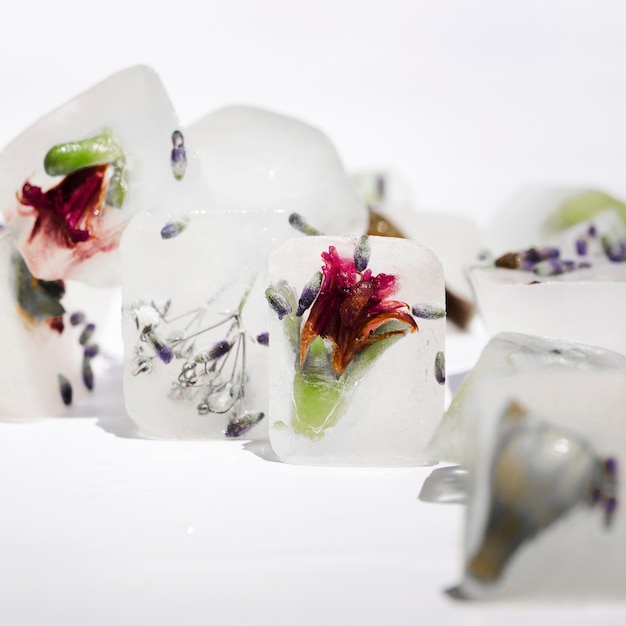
column 65, row 211
column 351, row 310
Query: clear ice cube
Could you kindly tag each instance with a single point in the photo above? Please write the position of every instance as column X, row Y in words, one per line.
column 353, row 380
column 112, row 158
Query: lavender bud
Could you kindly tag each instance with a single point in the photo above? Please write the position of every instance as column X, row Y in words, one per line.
column 239, row 426
column 428, row 311
column 87, row 373
column 610, row 505
column 440, row 367
column 174, row 227
column 85, row 336
column 163, row 351
column 301, row 225
column 362, row 253
column 263, row 339
column 309, row 293
column 535, row 255
column 66, row 389
column 91, row 350
column 77, row 318
column 277, row 301
column 591, row 231
column 178, row 157
column 551, row 267
column 610, row 466
column 581, row 247
column 220, row 349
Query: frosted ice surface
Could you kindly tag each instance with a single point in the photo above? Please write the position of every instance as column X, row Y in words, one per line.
column 585, row 304
column 501, row 365
column 133, row 106
column 455, row 239
column 541, row 521
column 381, row 408
column 40, row 344
column 255, row 160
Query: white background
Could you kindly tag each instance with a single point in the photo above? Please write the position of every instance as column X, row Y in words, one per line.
column 468, row 101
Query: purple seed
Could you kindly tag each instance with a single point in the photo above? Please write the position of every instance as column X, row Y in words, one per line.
column 428, row 311
column 87, row 373
column 77, row 318
column 581, row 247
column 91, row 350
column 163, row 351
column 277, row 301
column 610, row 466
column 263, row 339
column 535, row 255
column 66, row 389
column 440, row 368
column 178, row 156
column 301, row 225
column 85, row 336
column 219, row 349
column 309, row 293
column 173, row 228
column 362, row 253
column 610, row 504
column 239, row 426
column 591, row 231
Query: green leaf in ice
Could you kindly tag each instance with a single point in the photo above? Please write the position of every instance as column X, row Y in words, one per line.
column 65, row 158
column 583, row 206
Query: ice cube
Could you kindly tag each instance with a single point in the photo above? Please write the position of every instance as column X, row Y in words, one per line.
column 49, row 339
column 504, row 358
column 544, row 518
column 357, row 338
column 255, row 160
column 573, row 286
column 455, row 239
column 71, row 182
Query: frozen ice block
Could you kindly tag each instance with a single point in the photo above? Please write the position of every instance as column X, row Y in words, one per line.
column 574, row 286
column 537, row 213
column 455, row 239
column 259, row 161
column 71, row 182
column 49, row 339
column 506, row 358
column 357, row 361
column 195, row 320
column 545, row 515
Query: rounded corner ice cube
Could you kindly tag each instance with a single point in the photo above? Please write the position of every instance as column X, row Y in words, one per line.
column 73, row 180
column 577, row 292
column 357, row 365
column 506, row 357
column 544, row 519
column 257, row 161
column 50, row 336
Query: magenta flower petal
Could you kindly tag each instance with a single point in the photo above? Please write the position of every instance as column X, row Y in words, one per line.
column 64, row 212
column 350, row 308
